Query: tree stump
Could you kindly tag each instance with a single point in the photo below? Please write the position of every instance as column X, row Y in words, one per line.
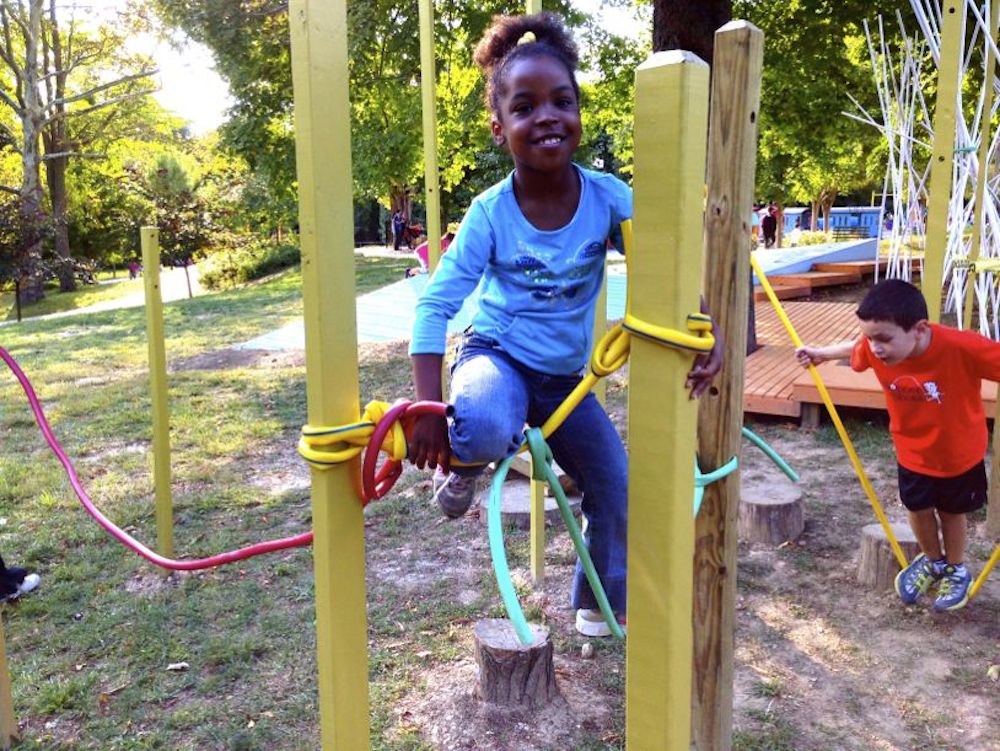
column 511, row 674
column 770, row 513
column 877, row 565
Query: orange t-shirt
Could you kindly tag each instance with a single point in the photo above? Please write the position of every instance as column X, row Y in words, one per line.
column 935, row 404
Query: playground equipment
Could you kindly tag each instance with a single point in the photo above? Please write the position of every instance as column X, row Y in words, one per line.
column 852, row 454
column 672, row 92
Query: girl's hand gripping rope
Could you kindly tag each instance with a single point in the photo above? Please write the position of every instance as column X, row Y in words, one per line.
column 706, row 367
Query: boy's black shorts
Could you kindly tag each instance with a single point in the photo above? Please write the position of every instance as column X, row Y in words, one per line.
column 961, row 494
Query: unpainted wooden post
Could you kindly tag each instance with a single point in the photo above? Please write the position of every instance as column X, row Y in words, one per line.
column 671, row 118
column 8, row 723
column 732, row 149
column 323, row 163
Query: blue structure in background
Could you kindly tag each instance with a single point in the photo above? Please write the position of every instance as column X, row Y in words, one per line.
column 857, row 219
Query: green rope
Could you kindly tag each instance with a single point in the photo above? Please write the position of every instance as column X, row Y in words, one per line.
column 771, row 453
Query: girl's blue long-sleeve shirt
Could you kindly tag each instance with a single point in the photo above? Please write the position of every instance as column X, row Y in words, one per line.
column 536, row 288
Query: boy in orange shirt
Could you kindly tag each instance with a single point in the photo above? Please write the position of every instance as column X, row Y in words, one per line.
column 931, row 375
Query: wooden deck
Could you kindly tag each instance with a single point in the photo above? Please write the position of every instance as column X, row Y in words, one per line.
column 775, row 384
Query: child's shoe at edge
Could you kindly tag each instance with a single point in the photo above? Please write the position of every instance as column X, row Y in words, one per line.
column 16, row 582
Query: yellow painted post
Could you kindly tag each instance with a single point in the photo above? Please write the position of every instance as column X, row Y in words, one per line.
column 732, row 161
column 537, row 532
column 158, row 387
column 428, row 91
column 943, row 158
column 984, row 170
column 671, row 103
column 8, row 723
column 323, row 146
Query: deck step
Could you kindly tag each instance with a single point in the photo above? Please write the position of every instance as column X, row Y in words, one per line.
column 855, row 267
column 782, row 291
column 817, row 278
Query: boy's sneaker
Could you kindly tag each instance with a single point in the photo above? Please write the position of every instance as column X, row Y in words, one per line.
column 16, row 582
column 454, row 493
column 953, row 592
column 914, row 580
column 592, row 623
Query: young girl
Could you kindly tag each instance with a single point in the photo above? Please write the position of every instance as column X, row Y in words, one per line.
column 535, row 246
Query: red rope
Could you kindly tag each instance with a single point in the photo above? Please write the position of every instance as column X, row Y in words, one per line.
column 120, row 534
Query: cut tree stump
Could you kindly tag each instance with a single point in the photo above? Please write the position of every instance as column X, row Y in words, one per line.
column 511, row 674
column 770, row 513
column 877, row 565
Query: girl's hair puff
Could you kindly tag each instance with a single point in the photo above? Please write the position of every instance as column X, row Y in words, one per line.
column 499, row 48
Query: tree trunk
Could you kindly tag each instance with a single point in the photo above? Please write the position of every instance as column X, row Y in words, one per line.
column 511, row 674
column 770, row 514
column 55, row 171
column 684, row 25
column 877, row 564
column 54, row 139
column 32, row 117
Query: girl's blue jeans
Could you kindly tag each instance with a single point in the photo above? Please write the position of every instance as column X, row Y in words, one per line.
column 494, row 396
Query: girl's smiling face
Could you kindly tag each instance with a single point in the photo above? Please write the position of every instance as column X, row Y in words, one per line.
column 538, row 118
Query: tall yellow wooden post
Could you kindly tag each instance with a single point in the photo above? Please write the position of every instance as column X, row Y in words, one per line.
column 323, row 143
column 671, row 103
column 943, row 158
column 428, row 91
column 158, row 387
column 537, row 507
column 984, row 169
column 8, row 723
column 732, row 152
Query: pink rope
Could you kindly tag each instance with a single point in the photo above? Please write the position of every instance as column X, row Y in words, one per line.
column 271, row 546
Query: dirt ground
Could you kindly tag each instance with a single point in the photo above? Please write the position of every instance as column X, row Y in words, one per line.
column 821, row 662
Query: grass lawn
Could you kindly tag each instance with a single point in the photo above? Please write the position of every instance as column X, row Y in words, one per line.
column 56, row 301
column 110, row 655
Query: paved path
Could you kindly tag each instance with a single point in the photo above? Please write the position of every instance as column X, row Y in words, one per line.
column 387, row 314
column 173, row 286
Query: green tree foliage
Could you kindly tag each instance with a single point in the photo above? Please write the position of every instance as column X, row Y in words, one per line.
column 814, row 54
column 249, row 40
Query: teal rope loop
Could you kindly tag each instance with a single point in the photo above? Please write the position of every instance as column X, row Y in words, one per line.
column 771, row 453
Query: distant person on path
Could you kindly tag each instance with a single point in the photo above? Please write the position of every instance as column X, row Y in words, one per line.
column 398, row 228
column 769, row 226
column 133, row 269
column 15, row 581
column 796, row 234
column 535, row 245
column 931, row 376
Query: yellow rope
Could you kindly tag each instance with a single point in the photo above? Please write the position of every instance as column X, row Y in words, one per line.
column 981, row 579
column 348, row 441
column 835, row 417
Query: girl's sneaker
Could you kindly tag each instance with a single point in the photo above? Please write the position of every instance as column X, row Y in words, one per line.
column 454, row 493
column 953, row 592
column 592, row 623
column 15, row 582
column 914, row 580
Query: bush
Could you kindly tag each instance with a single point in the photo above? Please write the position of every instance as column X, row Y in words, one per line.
column 813, row 238
column 244, row 263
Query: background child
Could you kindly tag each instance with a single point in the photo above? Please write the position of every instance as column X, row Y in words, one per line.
column 535, row 244
column 423, row 251
column 931, row 376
